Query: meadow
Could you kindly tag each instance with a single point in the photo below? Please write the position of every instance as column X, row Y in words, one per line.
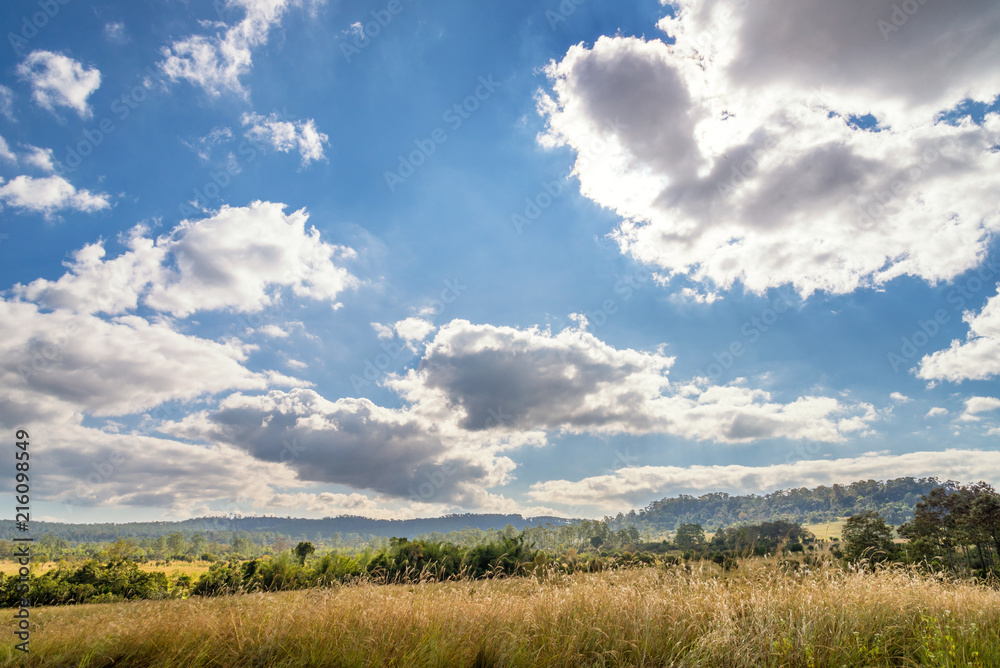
column 762, row 613
column 173, row 569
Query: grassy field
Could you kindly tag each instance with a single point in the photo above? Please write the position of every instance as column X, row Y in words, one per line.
column 758, row 615
column 826, row 530
column 176, row 568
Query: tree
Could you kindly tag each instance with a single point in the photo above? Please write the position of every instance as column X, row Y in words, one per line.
column 867, row 536
column 176, row 543
column 689, row 536
column 303, row 550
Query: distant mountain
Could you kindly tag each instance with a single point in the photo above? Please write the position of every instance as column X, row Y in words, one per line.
column 893, row 499
column 288, row 527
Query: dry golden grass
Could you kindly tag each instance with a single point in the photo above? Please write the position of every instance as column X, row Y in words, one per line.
column 10, row 567
column 758, row 615
column 826, row 530
column 176, row 568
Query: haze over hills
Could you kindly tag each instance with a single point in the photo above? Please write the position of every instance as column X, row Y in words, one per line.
column 894, row 499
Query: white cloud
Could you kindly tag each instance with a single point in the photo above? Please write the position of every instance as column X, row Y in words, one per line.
column 287, row 136
column 138, row 470
column 900, row 398
column 58, row 80
column 232, row 258
column 480, row 391
column 7, row 102
column 730, row 158
column 5, row 152
column 692, row 295
column 512, row 381
column 202, row 146
column 350, row 441
column 238, row 258
column 60, row 363
column 383, row 331
column 272, row 331
column 413, row 329
column 50, row 194
column 976, row 405
column 936, row 411
column 216, row 63
column 40, row 158
column 977, row 358
column 636, row 485
column 114, row 31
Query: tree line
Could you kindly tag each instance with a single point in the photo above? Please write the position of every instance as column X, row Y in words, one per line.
column 119, row 577
column 954, row 527
column 892, row 499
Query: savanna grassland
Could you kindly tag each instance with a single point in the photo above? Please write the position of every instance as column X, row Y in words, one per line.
column 760, row 614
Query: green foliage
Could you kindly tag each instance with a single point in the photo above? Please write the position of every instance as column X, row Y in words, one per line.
column 957, row 527
column 760, row 539
column 893, row 499
column 867, row 536
column 303, row 550
column 93, row 581
column 689, row 537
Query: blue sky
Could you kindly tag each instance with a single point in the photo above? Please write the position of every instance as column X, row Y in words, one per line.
column 407, row 258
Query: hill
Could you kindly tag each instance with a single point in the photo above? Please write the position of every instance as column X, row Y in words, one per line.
column 893, row 499
column 225, row 528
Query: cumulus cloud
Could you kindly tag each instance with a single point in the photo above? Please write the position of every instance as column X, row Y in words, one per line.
column 636, row 485
column 49, row 194
column 40, row 158
column 481, row 391
column 285, row 136
column 936, row 411
column 571, row 381
column 900, row 398
column 216, row 63
column 974, row 406
column 5, row 152
column 412, row 329
column 735, row 154
column 349, row 441
column 59, row 81
column 89, row 468
column 976, row 358
column 60, row 364
column 238, row 258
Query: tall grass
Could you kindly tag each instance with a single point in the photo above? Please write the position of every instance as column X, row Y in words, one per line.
column 757, row 615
